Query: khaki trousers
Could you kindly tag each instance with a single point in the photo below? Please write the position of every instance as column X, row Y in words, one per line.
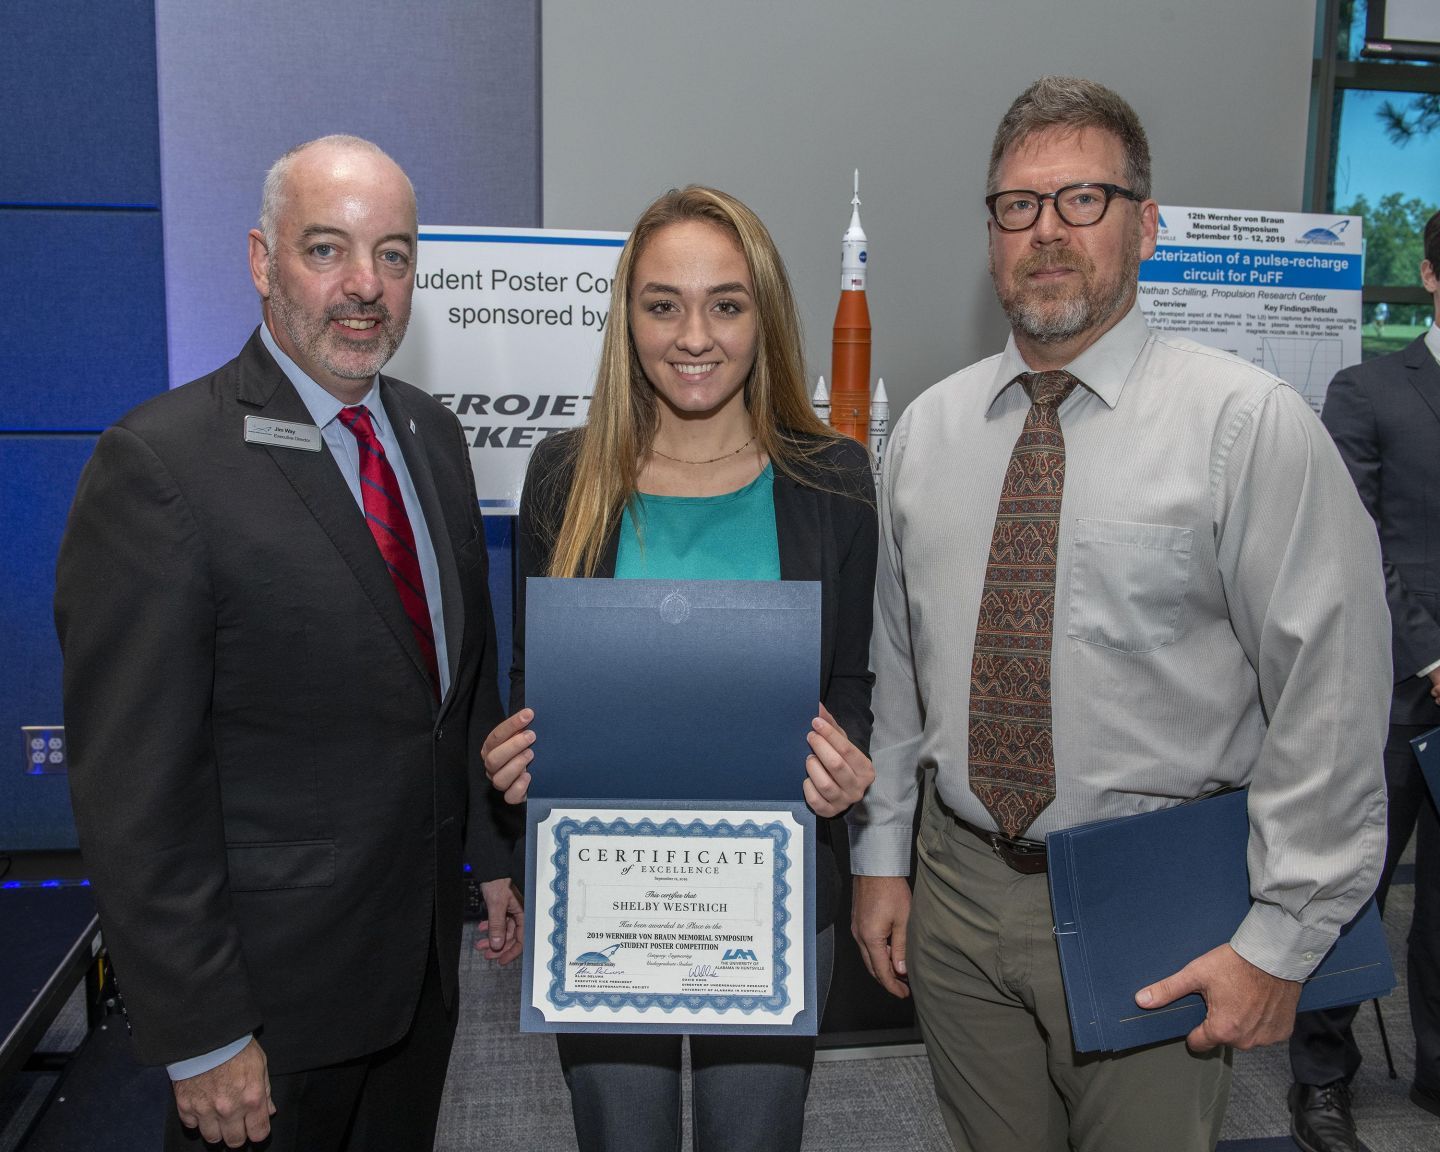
column 985, row 975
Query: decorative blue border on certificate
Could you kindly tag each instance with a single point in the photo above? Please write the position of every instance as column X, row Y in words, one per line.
column 774, row 832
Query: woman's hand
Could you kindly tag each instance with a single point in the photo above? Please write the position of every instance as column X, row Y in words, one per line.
column 507, row 755
column 837, row 773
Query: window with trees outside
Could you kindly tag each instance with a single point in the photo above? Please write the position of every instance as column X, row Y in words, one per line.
column 1375, row 148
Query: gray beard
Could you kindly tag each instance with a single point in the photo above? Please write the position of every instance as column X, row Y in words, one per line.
column 1056, row 321
column 311, row 338
column 1051, row 324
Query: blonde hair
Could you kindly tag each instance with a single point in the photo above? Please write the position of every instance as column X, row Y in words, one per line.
column 624, row 412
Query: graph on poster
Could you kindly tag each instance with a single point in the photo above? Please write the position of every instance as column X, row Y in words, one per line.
column 1306, row 364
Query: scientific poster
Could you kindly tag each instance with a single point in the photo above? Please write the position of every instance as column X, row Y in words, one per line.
column 1280, row 289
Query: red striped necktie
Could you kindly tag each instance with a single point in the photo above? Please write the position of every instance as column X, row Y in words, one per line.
column 385, row 513
column 1012, row 752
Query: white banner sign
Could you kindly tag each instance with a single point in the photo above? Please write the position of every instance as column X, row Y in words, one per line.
column 506, row 333
column 1280, row 289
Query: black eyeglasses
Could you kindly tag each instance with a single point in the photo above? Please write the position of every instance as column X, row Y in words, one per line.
column 1078, row 205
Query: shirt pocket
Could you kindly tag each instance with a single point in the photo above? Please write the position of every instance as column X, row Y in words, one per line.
column 1127, row 583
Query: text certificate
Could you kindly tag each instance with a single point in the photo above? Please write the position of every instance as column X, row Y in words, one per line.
column 671, row 918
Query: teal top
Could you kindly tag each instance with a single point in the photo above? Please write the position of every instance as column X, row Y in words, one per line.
column 728, row 537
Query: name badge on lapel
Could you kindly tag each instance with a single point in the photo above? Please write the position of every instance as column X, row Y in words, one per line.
column 282, row 434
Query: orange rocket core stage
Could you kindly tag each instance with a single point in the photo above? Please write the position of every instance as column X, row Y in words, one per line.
column 850, row 368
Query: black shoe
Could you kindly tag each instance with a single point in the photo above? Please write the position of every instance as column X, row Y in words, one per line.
column 1320, row 1118
column 1426, row 1100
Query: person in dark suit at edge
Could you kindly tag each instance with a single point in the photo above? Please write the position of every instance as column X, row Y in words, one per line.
column 279, row 664
column 1384, row 416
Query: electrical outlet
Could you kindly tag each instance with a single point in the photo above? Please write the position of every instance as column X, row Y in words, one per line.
column 44, row 749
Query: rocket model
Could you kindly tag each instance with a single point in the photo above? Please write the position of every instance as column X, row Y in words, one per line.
column 820, row 401
column 879, row 425
column 850, row 344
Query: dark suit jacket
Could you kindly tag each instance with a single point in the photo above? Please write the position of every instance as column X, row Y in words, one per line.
column 270, row 802
column 826, row 530
column 1385, row 418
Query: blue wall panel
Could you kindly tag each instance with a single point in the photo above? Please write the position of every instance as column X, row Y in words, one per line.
column 85, row 308
column 77, row 86
column 38, row 475
column 86, row 87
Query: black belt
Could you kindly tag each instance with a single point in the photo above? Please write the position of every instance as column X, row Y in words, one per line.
column 1027, row 856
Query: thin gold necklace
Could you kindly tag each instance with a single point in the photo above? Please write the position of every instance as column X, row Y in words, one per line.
column 714, row 459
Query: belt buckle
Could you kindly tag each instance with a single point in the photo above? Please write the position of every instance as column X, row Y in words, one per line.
column 1016, row 858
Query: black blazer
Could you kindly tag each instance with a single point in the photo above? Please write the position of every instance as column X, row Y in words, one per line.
column 1385, row 417
column 269, row 799
column 826, row 530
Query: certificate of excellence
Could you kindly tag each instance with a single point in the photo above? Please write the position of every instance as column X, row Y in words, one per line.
column 678, row 917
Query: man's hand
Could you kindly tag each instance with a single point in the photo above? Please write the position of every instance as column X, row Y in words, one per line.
column 1435, row 685
column 501, row 935
column 231, row 1102
column 1245, row 1005
column 879, row 917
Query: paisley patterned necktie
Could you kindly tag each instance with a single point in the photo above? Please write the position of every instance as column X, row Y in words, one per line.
column 1012, row 753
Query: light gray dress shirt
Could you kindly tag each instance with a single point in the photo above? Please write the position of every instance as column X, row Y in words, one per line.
column 1220, row 619
column 324, row 410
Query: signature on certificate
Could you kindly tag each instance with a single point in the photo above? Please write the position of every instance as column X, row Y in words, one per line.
column 702, row 972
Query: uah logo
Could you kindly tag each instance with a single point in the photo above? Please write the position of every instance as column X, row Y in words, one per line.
column 740, row 954
column 1329, row 235
column 597, row 958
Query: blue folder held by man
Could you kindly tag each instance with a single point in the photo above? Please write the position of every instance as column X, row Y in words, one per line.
column 1427, row 751
column 1137, row 898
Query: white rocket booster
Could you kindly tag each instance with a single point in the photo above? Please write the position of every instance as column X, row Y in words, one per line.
column 879, row 424
column 820, row 401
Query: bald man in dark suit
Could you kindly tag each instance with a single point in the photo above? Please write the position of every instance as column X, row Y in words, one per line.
column 279, row 665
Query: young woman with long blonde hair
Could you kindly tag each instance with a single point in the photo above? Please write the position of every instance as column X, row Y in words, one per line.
column 702, row 459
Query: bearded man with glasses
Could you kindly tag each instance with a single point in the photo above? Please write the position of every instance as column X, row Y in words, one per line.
column 1118, row 570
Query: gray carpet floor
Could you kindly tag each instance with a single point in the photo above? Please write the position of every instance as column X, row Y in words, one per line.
column 505, row 1090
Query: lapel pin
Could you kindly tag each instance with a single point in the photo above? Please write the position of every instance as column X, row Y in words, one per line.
column 412, row 427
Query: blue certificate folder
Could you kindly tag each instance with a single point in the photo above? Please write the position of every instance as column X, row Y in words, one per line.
column 1137, row 898
column 671, row 689
column 1427, row 751
column 658, row 695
